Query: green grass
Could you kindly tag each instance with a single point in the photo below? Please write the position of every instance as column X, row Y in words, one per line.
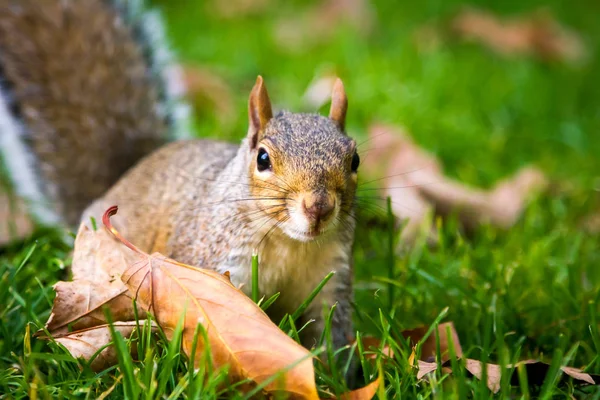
column 531, row 292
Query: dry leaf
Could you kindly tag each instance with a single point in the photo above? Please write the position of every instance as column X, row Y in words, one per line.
column 87, row 342
column 417, row 186
column 425, row 368
column 428, row 348
column 98, row 262
column 318, row 92
column 322, row 21
column 536, row 373
column 536, row 370
column 494, row 373
column 364, row 393
column 240, row 334
column 370, row 343
column 538, row 34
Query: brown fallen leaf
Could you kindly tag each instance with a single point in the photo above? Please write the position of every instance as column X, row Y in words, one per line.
column 538, row 34
column 494, row 373
column 425, row 368
column 87, row 342
column 319, row 91
column 320, row 22
column 371, row 343
column 240, row 334
column 417, row 186
column 428, row 347
column 364, row 393
column 98, row 262
column 536, row 371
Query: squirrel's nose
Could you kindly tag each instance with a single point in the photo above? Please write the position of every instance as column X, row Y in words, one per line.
column 318, row 207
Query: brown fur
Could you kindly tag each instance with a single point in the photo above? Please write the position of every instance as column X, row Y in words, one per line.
column 80, row 84
column 202, row 203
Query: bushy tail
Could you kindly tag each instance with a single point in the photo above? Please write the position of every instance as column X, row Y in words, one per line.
column 86, row 90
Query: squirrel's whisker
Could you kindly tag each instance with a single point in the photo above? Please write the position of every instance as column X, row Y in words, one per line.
column 248, row 213
column 392, row 176
column 272, row 229
column 268, row 211
column 275, row 188
column 399, row 187
column 217, row 203
column 370, row 138
column 363, row 204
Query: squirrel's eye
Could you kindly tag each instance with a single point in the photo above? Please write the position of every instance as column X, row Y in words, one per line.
column 355, row 162
column 262, row 161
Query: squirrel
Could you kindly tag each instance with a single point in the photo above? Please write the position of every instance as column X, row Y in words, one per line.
column 87, row 122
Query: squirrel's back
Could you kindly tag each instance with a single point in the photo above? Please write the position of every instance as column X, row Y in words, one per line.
column 83, row 96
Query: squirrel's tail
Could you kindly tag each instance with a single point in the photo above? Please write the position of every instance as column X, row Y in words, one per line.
column 86, row 90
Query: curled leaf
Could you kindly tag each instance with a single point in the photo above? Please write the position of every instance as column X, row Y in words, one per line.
column 98, row 262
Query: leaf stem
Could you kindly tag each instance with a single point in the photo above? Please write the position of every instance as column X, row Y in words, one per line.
column 106, row 221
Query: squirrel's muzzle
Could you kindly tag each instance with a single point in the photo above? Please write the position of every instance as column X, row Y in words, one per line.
column 318, row 207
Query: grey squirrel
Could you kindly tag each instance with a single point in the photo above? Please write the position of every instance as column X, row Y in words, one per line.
column 85, row 115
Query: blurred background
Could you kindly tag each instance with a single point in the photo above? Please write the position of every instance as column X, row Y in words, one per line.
column 487, row 87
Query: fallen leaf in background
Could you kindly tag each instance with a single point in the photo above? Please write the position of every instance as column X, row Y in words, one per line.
column 208, row 91
column 86, row 342
column 321, row 22
column 493, row 371
column 425, row 368
column 240, row 334
column 535, row 370
column 537, row 33
column 428, row 347
column 98, row 262
column 15, row 221
column 319, row 91
column 417, row 186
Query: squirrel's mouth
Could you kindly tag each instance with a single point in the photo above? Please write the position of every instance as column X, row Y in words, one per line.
column 306, row 228
column 311, row 233
column 306, row 236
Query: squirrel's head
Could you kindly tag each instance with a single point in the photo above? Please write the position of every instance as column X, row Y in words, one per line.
column 303, row 167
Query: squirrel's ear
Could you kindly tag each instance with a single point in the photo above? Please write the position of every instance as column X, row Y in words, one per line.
column 259, row 110
column 339, row 104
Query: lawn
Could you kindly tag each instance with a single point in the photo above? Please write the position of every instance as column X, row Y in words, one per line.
column 529, row 292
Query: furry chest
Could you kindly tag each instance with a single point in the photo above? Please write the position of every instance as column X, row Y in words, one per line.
column 291, row 268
